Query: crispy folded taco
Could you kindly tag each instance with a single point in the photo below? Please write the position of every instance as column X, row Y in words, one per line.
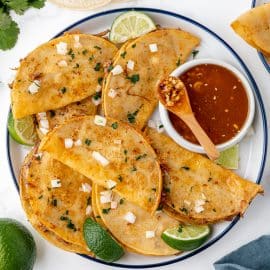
column 129, row 92
column 198, row 190
column 62, row 71
column 112, row 154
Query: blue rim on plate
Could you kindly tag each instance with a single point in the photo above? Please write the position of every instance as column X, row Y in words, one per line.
column 261, row 56
column 258, row 96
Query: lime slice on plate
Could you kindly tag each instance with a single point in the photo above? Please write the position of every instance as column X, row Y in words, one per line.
column 130, row 25
column 186, row 237
column 22, row 130
column 100, row 241
column 229, row 158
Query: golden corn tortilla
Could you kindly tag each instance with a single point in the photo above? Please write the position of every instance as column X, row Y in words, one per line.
column 62, row 210
column 254, row 27
column 59, row 116
column 60, row 85
column 131, row 162
column 197, row 189
column 136, row 89
column 133, row 236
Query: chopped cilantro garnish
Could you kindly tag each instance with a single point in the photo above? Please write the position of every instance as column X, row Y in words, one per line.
column 84, row 52
column 115, row 125
column 183, row 209
column 185, row 168
column 133, row 169
column 71, row 226
column 97, row 96
column 133, row 45
column 132, row 116
column 71, row 53
column 141, row 156
column 167, row 190
column 194, row 53
column 100, row 79
column 178, row 62
column 97, row 47
column 87, row 142
column 110, row 67
column 97, row 217
column 97, row 66
column 121, row 201
column 63, row 218
column 180, row 229
column 123, row 55
column 125, row 151
column 63, row 90
column 106, row 210
column 91, row 58
column 120, row 178
column 134, row 78
column 38, row 157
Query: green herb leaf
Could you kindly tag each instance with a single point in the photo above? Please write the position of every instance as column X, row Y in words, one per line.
column 141, row 156
column 134, row 45
column 100, row 79
column 194, row 53
column 63, row 90
column 97, row 67
column 36, row 3
column 87, row 142
column 19, row 6
column 115, row 125
column 121, row 201
column 97, row 47
column 106, row 210
column 123, row 55
column 97, row 96
column 185, row 168
column 134, row 78
column 132, row 116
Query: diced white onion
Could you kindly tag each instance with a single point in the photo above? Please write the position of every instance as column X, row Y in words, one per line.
column 42, row 115
column 43, row 130
column 101, row 159
column 149, row 234
column 44, row 123
column 56, row 183
column 78, row 142
column 62, row 63
column 68, row 143
column 98, row 89
column 130, row 64
column 88, row 210
column 113, row 205
column 38, row 155
column 106, row 196
column 117, row 70
column 198, row 209
column 153, row 47
column 100, row 120
column 187, row 202
column 86, row 188
column 151, row 124
column 130, row 217
column 111, row 184
column 61, row 48
column 117, row 141
column 112, row 93
column 34, row 87
column 77, row 38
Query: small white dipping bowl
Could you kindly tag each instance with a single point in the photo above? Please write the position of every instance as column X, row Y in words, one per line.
column 164, row 115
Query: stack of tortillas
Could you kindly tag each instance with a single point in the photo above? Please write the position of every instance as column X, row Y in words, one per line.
column 81, row 4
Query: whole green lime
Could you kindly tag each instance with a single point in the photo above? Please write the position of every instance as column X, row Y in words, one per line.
column 17, row 246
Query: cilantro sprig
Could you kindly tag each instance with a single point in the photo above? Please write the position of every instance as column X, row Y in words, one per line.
column 9, row 29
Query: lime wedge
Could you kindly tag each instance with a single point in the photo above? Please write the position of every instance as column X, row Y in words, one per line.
column 100, row 241
column 22, row 130
column 229, row 158
column 186, row 237
column 130, row 25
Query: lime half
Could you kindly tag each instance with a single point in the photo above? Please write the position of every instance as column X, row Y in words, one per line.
column 100, row 241
column 229, row 158
column 17, row 246
column 186, row 237
column 130, row 25
column 22, row 130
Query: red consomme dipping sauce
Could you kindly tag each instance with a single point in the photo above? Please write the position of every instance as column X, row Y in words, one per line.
column 218, row 100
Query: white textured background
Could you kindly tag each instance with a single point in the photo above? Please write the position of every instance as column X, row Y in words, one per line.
column 37, row 26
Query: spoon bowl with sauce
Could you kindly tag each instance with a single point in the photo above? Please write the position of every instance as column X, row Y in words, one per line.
column 220, row 98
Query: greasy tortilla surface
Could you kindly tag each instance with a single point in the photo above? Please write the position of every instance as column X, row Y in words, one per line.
column 254, row 27
column 133, row 236
column 59, row 116
column 137, row 96
column 60, row 85
column 62, row 210
column 132, row 163
column 196, row 188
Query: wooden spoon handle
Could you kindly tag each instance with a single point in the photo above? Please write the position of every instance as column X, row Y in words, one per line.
column 201, row 136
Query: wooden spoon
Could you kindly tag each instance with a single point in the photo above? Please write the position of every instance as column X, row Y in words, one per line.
column 173, row 95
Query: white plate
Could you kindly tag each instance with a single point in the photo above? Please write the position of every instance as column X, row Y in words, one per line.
column 265, row 61
column 252, row 149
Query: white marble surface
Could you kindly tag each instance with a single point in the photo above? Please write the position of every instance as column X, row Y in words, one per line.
column 38, row 26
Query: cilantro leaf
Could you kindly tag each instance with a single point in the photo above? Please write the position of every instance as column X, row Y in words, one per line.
column 36, row 3
column 9, row 36
column 19, row 6
column 5, row 20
